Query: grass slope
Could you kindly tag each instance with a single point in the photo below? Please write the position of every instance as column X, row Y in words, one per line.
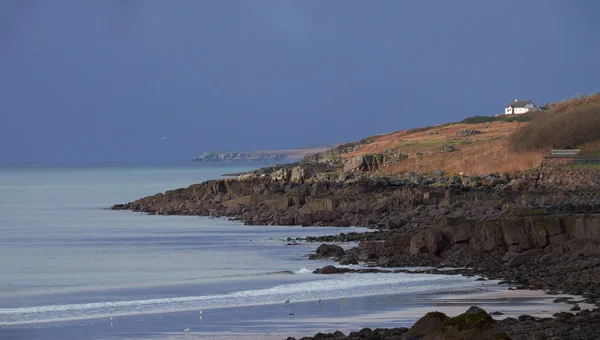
column 505, row 144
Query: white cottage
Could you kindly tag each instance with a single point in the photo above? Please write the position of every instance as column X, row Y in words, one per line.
column 518, row 107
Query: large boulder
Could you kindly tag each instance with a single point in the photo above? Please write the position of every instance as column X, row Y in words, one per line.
column 427, row 327
column 329, row 250
column 327, row 270
column 428, row 241
column 367, row 162
column 475, row 323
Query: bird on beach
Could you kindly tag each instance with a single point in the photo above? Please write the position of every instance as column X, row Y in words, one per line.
column 287, row 302
column 187, row 330
column 200, row 314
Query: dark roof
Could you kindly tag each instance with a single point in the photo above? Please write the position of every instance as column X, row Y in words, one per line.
column 519, row 103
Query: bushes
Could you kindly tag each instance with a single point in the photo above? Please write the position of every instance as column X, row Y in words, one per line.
column 481, row 119
column 522, row 118
column 502, row 118
column 572, row 123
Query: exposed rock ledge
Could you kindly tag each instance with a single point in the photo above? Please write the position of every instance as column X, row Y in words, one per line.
column 301, row 196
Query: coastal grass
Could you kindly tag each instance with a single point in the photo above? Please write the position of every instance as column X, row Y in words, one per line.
column 472, row 159
column 569, row 124
column 477, row 154
column 433, row 138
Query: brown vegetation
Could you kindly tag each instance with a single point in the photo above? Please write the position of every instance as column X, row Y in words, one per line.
column 478, row 154
column 572, row 123
column 480, row 158
column 499, row 144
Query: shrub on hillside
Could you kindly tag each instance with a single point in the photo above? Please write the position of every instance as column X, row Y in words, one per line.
column 521, row 118
column 501, row 118
column 568, row 124
column 481, row 119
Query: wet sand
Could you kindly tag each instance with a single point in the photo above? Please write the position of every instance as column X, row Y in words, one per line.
column 300, row 318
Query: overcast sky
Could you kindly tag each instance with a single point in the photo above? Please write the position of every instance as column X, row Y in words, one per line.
column 105, row 80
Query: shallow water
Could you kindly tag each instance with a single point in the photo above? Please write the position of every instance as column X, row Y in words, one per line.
column 69, row 265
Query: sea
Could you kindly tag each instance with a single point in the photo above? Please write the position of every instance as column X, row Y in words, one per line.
column 71, row 268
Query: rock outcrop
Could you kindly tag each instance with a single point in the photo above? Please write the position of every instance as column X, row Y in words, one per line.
column 475, row 323
column 328, row 251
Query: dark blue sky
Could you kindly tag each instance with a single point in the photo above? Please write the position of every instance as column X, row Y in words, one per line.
column 104, row 80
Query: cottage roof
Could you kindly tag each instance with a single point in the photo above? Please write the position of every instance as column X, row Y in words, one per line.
column 519, row 103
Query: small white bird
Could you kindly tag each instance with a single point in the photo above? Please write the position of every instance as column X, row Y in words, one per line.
column 200, row 313
column 187, row 330
column 164, row 137
column 111, row 319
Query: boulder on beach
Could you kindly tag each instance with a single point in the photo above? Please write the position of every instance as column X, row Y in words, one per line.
column 475, row 323
column 329, row 250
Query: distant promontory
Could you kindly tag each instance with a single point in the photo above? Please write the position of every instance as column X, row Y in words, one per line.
column 268, row 156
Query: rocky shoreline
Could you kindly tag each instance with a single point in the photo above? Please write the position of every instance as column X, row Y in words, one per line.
column 539, row 230
column 476, row 323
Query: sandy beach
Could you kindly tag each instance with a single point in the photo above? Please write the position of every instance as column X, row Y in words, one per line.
column 297, row 319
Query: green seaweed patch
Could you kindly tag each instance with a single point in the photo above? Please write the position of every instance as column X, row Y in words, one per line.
column 479, row 320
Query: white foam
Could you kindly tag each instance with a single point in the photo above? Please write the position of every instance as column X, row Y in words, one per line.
column 304, row 271
column 327, row 287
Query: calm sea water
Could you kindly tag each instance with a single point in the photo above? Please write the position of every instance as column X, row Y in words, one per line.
column 68, row 262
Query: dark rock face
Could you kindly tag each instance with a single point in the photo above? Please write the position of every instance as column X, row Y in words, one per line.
column 428, row 241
